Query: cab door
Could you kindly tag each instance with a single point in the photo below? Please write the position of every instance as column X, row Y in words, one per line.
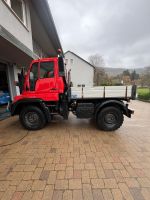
column 47, row 81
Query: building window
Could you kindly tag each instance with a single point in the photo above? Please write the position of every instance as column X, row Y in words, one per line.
column 71, row 61
column 18, row 6
column 38, row 50
column 66, row 61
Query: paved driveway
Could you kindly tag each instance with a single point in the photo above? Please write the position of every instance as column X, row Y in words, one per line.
column 73, row 160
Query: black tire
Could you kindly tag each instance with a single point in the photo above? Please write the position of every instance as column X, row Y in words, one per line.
column 109, row 119
column 32, row 118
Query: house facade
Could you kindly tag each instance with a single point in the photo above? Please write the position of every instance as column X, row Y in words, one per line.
column 82, row 72
column 27, row 31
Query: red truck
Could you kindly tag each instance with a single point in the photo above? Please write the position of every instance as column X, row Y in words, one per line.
column 46, row 91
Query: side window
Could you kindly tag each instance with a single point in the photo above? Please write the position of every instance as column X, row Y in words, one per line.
column 46, row 69
column 33, row 76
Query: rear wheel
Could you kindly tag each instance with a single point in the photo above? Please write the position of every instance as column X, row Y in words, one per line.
column 32, row 118
column 109, row 118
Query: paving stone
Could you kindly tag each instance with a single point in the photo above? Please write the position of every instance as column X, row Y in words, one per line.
column 38, row 185
column 61, row 184
column 8, row 194
column 77, row 194
column 29, row 168
column 52, row 177
column 61, row 174
column 57, row 195
column 19, row 168
column 132, row 182
column 144, row 182
column 75, row 184
column 35, row 161
column 89, row 166
column 48, row 192
column 44, row 175
column 107, row 165
column 110, row 183
column 97, row 183
column 77, row 174
column 97, row 194
column 100, row 172
column 69, row 173
column 24, row 186
column 107, row 194
column 27, row 195
column 109, row 173
column 4, row 185
column 37, row 173
column 27, row 176
column 17, row 195
column 117, row 195
column 145, row 193
column 37, row 195
column 125, row 191
column 79, row 166
column 136, row 193
column 13, row 176
column 67, row 195
column 60, row 167
column 87, row 192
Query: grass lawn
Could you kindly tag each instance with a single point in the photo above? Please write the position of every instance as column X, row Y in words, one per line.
column 143, row 93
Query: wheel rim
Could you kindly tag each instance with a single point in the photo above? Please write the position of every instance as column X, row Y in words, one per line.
column 31, row 118
column 110, row 119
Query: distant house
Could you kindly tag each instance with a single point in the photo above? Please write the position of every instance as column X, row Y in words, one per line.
column 27, row 31
column 82, row 72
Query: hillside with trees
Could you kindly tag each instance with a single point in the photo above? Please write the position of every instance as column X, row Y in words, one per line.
column 118, row 76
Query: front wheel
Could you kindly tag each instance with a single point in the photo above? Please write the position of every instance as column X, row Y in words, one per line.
column 32, row 118
column 109, row 118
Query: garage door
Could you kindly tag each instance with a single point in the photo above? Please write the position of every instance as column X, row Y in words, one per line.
column 4, row 89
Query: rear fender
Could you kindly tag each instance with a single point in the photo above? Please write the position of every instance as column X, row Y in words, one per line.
column 124, row 107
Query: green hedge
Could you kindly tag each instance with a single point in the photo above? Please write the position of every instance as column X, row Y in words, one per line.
column 144, row 94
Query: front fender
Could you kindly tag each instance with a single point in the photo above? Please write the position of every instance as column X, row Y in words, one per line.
column 16, row 107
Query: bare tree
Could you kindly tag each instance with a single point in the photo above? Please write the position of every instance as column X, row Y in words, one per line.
column 145, row 79
column 98, row 62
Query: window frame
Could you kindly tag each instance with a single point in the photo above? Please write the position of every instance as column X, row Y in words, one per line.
column 46, row 61
column 71, row 61
column 24, row 13
column 34, row 63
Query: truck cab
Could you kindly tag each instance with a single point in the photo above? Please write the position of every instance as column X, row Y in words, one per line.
column 45, row 79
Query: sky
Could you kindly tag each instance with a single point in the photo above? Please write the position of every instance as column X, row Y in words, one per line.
column 118, row 30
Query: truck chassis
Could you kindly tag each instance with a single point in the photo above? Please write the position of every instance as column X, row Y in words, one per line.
column 45, row 92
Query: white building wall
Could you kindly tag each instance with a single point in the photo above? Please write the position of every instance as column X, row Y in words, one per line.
column 81, row 72
column 12, row 24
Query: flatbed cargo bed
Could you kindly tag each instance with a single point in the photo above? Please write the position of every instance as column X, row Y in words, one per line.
column 103, row 92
